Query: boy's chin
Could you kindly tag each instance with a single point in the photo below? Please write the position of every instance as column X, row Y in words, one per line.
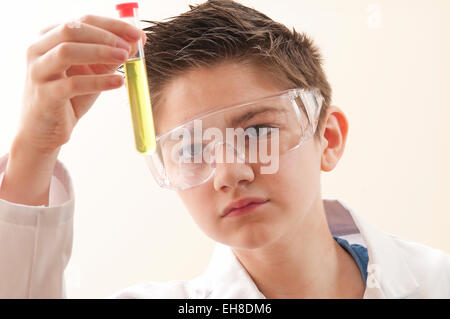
column 254, row 239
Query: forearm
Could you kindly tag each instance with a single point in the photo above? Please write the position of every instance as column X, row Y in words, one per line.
column 36, row 242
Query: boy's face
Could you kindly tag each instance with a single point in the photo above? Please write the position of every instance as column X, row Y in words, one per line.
column 291, row 191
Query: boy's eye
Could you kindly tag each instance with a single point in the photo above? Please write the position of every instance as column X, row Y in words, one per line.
column 189, row 150
column 259, row 130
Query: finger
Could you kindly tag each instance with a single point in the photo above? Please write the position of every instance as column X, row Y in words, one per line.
column 73, row 32
column 79, row 70
column 60, row 58
column 134, row 46
column 70, row 87
column 92, row 69
column 104, row 68
column 120, row 28
column 109, row 68
column 116, row 26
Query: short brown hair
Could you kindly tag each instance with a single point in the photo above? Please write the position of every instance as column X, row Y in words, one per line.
column 225, row 29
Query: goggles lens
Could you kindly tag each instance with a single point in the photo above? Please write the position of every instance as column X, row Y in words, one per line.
column 254, row 132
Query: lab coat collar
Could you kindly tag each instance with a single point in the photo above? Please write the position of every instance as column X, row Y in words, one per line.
column 389, row 276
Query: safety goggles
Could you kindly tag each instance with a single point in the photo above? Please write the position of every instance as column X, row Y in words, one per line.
column 252, row 132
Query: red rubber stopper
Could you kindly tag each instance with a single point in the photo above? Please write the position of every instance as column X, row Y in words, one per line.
column 126, row 9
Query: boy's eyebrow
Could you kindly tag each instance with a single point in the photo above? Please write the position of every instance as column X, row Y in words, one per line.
column 247, row 116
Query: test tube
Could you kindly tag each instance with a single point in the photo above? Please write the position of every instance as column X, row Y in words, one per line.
column 136, row 81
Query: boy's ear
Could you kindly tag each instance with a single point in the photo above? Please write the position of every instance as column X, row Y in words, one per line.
column 333, row 137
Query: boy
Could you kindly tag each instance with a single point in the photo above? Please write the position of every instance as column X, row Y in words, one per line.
column 230, row 67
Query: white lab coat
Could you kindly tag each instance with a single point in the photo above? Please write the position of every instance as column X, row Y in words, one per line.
column 36, row 244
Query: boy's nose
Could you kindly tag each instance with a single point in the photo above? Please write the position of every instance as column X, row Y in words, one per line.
column 230, row 172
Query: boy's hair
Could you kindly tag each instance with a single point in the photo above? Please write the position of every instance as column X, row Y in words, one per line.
column 219, row 30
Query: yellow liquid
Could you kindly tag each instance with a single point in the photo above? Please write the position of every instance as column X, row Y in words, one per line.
column 140, row 106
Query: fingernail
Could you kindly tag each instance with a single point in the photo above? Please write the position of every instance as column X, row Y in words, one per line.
column 133, row 34
column 123, row 44
column 119, row 54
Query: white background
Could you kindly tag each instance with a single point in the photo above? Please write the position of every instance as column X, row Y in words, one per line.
column 389, row 66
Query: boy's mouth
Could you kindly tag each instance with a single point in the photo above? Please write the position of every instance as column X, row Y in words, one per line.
column 242, row 203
